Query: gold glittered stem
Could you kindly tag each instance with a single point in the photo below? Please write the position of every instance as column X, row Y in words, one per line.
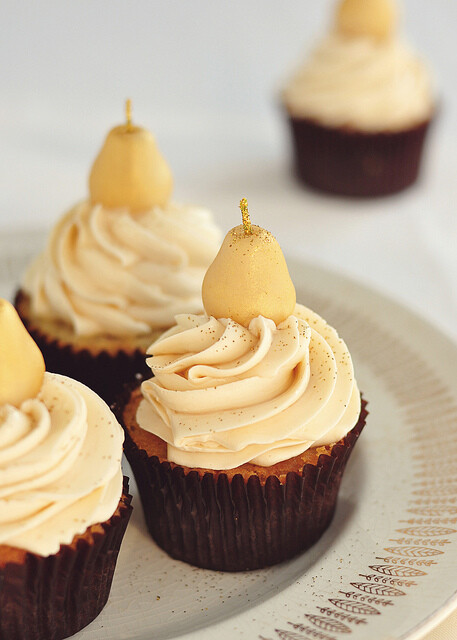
column 246, row 219
column 128, row 113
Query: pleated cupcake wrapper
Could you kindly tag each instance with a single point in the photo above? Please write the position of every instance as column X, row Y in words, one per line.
column 49, row 598
column 105, row 373
column 212, row 522
column 346, row 162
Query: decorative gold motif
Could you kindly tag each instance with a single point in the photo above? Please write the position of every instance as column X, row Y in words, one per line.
column 378, row 590
column 398, row 582
column 424, row 521
column 334, row 626
column 341, row 615
column 433, row 511
column 360, row 608
column 414, row 552
column 419, row 562
column 436, row 491
column 405, row 572
column 354, row 595
column 310, row 632
column 427, row 531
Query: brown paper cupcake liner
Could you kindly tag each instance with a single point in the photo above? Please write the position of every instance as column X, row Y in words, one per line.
column 352, row 163
column 215, row 522
column 50, row 598
column 105, row 373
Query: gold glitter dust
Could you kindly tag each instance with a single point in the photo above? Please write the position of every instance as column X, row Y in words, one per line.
column 245, row 215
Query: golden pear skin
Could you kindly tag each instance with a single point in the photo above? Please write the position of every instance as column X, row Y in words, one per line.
column 248, row 278
column 21, row 362
column 372, row 18
column 130, row 172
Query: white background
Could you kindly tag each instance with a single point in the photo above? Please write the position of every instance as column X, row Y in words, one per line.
column 204, row 76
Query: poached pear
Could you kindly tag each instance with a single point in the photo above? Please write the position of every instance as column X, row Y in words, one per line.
column 130, row 171
column 367, row 18
column 249, row 277
column 21, row 362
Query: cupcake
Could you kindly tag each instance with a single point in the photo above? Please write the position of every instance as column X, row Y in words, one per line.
column 117, row 267
column 64, row 502
column 360, row 108
column 239, row 441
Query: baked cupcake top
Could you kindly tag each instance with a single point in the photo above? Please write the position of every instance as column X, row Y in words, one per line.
column 362, row 75
column 234, row 385
column 126, row 260
column 60, row 449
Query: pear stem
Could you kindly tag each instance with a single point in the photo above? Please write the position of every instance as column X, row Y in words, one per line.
column 246, row 219
column 128, row 113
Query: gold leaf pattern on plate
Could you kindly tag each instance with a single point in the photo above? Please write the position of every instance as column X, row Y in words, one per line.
column 427, row 531
column 360, row 608
column 414, row 552
column 433, row 511
column 378, row 589
column 437, row 491
column 334, row 626
column 402, row 572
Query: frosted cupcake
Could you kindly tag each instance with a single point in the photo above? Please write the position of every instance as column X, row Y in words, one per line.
column 64, row 504
column 239, row 441
column 117, row 267
column 360, row 107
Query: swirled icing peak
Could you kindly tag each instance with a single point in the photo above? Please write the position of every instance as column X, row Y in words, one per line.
column 362, row 83
column 149, row 266
column 60, row 466
column 224, row 394
column 21, row 362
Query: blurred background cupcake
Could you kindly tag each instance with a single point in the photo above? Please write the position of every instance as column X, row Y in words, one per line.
column 117, row 267
column 360, row 107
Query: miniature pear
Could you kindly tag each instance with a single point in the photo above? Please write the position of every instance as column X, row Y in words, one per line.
column 249, row 277
column 129, row 171
column 21, row 363
column 370, row 18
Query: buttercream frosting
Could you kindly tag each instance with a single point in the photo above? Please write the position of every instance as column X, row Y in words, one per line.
column 111, row 272
column 60, row 466
column 223, row 395
column 363, row 83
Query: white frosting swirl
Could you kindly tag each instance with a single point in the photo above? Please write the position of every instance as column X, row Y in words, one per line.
column 363, row 83
column 60, row 466
column 115, row 273
column 224, row 395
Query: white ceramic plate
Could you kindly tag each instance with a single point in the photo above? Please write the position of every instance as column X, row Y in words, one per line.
column 386, row 568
